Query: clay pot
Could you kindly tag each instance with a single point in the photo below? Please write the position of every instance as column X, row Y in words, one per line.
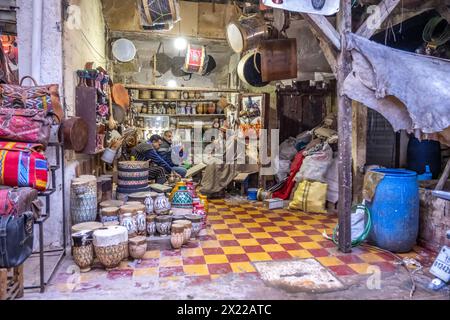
column 148, row 202
column 196, row 221
column 137, row 247
column 200, row 108
column 163, row 224
column 187, row 229
column 141, row 223
column 110, row 214
column 162, row 205
column 130, row 224
column 151, row 225
column 177, row 236
column 211, row 108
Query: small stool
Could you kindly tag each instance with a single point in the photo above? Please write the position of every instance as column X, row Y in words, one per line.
column 243, row 179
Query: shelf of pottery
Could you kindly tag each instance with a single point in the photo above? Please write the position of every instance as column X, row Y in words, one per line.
column 157, row 109
column 125, row 226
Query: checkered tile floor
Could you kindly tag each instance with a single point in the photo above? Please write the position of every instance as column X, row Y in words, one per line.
column 240, row 234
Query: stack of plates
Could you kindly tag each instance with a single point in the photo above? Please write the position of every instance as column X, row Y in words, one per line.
column 132, row 177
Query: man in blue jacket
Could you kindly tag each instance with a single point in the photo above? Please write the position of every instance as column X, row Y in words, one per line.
column 148, row 151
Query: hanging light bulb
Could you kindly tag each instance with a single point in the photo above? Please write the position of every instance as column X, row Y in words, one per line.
column 172, row 84
column 180, row 43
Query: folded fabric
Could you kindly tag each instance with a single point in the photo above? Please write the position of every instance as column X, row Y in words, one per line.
column 285, row 192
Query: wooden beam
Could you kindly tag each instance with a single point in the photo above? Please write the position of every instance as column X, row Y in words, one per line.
column 359, row 148
column 324, row 28
column 344, row 131
column 327, row 50
column 444, row 177
column 376, row 19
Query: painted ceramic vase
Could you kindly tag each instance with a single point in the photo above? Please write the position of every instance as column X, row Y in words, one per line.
column 83, row 250
column 148, row 202
column 196, row 221
column 130, row 224
column 111, row 245
column 151, row 225
column 162, row 205
column 191, row 186
column 141, row 223
column 137, row 247
column 177, row 236
column 163, row 224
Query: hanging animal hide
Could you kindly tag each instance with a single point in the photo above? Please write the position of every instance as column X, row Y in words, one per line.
column 411, row 91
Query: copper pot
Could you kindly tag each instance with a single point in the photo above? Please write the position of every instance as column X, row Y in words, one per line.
column 75, row 134
column 211, row 108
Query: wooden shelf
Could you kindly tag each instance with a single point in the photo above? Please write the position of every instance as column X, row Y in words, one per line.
column 163, row 88
column 175, row 100
column 183, row 115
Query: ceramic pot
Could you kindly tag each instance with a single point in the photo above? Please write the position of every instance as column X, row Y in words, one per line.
column 130, row 224
column 175, row 189
column 162, row 205
column 148, row 202
column 178, row 217
column 199, row 108
column 187, row 230
column 182, row 198
column 191, row 186
column 86, row 226
column 191, row 94
column 111, row 245
column 137, row 247
column 141, row 223
column 211, row 108
column 177, row 236
column 163, row 224
column 204, row 200
column 196, row 221
column 151, row 225
column 198, row 95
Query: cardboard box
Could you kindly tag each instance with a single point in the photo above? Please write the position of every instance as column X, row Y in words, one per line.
column 273, row 204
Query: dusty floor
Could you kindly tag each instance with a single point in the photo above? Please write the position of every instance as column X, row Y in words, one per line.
column 220, row 265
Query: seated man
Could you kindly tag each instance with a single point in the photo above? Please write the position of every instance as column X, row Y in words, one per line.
column 156, row 173
column 149, row 151
column 165, row 151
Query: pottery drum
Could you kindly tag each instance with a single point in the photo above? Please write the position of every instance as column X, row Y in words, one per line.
column 110, row 214
column 177, row 236
column 83, row 250
column 129, row 222
column 246, row 33
column 111, row 245
column 83, row 200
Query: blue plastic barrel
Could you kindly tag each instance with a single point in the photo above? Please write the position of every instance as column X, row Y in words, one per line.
column 252, row 194
column 395, row 211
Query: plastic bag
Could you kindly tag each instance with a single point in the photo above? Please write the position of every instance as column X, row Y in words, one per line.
column 315, row 166
column 310, row 197
column 287, row 149
column 284, row 167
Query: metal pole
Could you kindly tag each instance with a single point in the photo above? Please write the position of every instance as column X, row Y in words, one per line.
column 344, row 130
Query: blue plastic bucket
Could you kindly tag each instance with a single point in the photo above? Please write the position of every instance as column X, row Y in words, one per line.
column 252, row 194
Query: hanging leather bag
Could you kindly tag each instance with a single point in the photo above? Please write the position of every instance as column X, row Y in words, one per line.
column 16, row 239
column 36, row 97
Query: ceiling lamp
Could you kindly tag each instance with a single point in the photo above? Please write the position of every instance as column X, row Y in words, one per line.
column 180, row 43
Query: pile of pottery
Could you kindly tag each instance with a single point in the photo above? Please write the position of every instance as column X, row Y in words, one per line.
column 132, row 178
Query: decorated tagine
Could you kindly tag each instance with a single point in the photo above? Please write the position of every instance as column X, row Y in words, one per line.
column 177, row 236
column 111, row 245
column 137, row 247
column 83, row 250
column 162, row 205
column 182, row 201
